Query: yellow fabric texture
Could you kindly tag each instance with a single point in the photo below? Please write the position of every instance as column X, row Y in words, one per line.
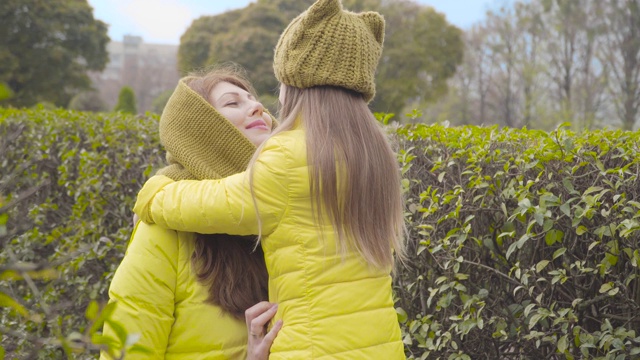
column 155, row 286
column 327, row 45
column 331, row 307
column 159, row 298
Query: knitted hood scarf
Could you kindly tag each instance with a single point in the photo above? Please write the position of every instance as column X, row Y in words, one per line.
column 200, row 142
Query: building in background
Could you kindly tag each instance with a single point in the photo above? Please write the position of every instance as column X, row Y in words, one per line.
column 149, row 69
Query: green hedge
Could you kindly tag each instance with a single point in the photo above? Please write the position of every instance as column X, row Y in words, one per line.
column 69, row 181
column 524, row 243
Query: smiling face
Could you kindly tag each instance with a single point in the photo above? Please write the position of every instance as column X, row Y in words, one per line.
column 243, row 110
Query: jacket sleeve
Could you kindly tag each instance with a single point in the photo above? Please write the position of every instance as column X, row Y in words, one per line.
column 143, row 288
column 221, row 206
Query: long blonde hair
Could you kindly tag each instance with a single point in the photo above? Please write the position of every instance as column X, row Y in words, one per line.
column 354, row 176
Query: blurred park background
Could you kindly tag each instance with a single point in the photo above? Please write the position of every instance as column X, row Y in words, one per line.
column 531, row 63
column 517, row 138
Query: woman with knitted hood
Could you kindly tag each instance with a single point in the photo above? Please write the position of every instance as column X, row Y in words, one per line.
column 323, row 192
column 186, row 294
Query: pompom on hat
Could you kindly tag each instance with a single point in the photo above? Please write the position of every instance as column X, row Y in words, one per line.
column 326, row 45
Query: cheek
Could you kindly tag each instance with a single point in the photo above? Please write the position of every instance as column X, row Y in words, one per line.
column 234, row 117
column 268, row 119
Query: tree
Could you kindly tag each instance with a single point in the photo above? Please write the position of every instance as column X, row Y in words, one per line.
column 421, row 52
column 87, row 101
column 513, row 39
column 622, row 55
column 161, row 101
column 245, row 36
column 195, row 43
column 467, row 99
column 5, row 92
column 474, row 78
column 503, row 43
column 249, row 42
column 543, row 62
column 530, row 68
column 126, row 101
column 47, row 47
column 577, row 75
column 291, row 8
column 362, row 5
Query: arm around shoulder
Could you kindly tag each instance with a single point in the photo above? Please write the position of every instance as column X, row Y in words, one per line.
column 224, row 205
column 142, row 208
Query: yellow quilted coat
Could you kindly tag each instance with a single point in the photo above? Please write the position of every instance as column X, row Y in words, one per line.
column 331, row 307
column 159, row 297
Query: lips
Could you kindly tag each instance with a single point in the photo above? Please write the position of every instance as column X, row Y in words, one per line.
column 258, row 124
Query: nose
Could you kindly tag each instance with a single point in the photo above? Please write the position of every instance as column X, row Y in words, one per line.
column 256, row 108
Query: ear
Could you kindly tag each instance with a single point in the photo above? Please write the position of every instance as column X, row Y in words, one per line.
column 322, row 9
column 375, row 22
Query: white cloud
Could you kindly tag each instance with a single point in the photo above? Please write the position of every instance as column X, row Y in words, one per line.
column 157, row 21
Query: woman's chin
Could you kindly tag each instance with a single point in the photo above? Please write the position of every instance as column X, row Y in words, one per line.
column 258, row 139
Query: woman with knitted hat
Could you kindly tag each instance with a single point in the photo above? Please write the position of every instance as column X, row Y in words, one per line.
column 323, row 192
column 186, row 294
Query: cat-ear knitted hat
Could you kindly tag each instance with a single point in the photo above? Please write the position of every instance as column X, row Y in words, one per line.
column 327, row 45
column 200, row 142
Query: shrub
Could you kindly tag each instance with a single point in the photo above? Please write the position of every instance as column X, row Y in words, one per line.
column 69, row 181
column 126, row 101
column 87, row 101
column 158, row 104
column 524, row 243
column 44, row 105
column 5, row 91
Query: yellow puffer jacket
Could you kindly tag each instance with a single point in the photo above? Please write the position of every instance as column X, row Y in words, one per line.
column 331, row 307
column 159, row 297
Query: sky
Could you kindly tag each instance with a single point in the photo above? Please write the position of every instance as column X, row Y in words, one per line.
column 164, row 21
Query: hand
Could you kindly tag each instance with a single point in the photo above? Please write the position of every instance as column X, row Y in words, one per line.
column 257, row 317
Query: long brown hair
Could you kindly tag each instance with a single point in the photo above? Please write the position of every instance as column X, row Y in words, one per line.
column 232, row 267
column 354, row 176
column 234, row 270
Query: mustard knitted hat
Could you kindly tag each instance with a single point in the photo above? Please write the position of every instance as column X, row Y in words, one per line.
column 200, row 142
column 327, row 45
